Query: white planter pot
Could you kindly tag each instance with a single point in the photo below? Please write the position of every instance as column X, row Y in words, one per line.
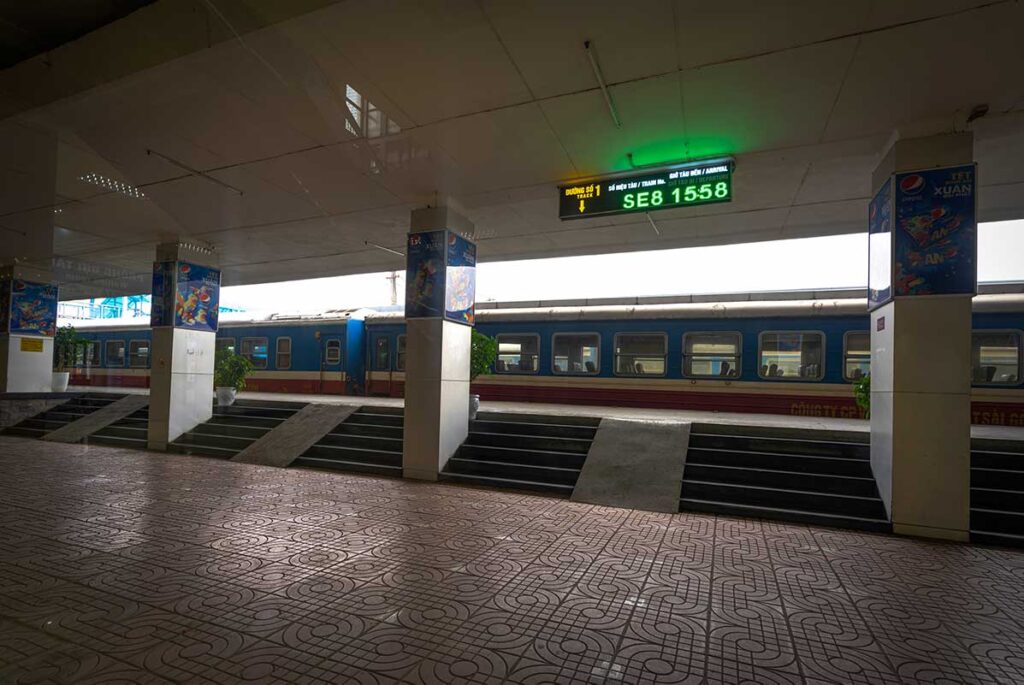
column 226, row 396
column 474, row 406
column 60, row 381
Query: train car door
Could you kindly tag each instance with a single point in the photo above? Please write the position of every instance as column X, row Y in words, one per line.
column 331, row 369
column 379, row 364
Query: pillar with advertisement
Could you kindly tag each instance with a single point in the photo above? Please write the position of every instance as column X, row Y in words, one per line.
column 185, row 309
column 28, row 325
column 440, row 311
column 923, row 245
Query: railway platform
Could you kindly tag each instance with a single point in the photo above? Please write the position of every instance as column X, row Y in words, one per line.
column 685, row 415
column 135, row 566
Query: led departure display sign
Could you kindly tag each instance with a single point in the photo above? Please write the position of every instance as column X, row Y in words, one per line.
column 681, row 186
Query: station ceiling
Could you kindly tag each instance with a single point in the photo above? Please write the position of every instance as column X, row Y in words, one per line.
column 289, row 135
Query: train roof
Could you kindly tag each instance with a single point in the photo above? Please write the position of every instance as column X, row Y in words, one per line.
column 698, row 310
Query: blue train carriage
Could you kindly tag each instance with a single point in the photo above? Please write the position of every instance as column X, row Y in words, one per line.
column 785, row 353
column 291, row 354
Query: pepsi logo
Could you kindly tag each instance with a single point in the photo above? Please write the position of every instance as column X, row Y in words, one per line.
column 914, row 183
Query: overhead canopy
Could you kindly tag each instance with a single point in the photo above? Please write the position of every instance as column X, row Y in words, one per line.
column 288, row 138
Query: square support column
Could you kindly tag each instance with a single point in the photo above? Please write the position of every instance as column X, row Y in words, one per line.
column 185, row 308
column 439, row 312
column 923, row 275
column 28, row 289
column 28, row 323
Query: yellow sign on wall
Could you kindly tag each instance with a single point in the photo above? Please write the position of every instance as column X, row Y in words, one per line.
column 31, row 344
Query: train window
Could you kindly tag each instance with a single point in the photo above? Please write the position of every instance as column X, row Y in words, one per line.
column 93, row 354
column 255, row 350
column 400, row 353
column 856, row 355
column 115, row 352
column 711, row 355
column 381, row 354
column 138, row 354
column 88, row 354
column 792, row 355
column 332, row 351
column 995, row 357
column 518, row 353
column 576, row 353
column 225, row 344
column 283, row 354
column 640, row 354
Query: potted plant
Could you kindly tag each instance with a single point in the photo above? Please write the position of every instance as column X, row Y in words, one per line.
column 862, row 394
column 66, row 345
column 483, row 352
column 229, row 372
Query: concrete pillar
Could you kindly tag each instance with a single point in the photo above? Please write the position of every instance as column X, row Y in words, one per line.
column 923, row 274
column 28, row 293
column 439, row 312
column 28, row 322
column 185, row 308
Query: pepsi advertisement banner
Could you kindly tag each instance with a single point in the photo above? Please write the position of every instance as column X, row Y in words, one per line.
column 880, row 247
column 161, row 312
column 460, row 287
column 33, row 308
column 936, row 241
column 425, row 275
column 197, row 297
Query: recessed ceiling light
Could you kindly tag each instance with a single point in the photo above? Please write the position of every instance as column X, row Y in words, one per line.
column 112, row 184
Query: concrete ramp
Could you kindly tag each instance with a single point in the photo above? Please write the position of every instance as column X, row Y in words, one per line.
column 79, row 429
column 296, row 434
column 635, row 465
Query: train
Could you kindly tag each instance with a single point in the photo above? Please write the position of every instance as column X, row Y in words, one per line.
column 795, row 353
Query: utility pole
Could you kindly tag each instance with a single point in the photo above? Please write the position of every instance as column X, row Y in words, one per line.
column 394, row 286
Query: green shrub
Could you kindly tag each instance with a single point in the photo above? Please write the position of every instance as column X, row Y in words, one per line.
column 483, row 352
column 862, row 394
column 66, row 345
column 230, row 369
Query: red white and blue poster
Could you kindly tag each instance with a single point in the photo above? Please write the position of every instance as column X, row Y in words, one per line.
column 936, row 232
column 161, row 309
column 33, row 308
column 460, row 290
column 196, row 297
column 425, row 275
column 880, row 247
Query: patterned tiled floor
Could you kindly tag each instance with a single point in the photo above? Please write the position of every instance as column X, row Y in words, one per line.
column 135, row 567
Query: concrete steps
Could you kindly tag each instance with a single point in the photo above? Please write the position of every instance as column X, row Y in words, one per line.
column 232, row 429
column 820, row 477
column 131, row 431
column 368, row 441
column 532, row 452
column 50, row 420
column 997, row 492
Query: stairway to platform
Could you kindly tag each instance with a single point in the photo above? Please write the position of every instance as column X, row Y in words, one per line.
column 368, row 441
column 997, row 492
column 807, row 476
column 535, row 452
column 50, row 420
column 231, row 429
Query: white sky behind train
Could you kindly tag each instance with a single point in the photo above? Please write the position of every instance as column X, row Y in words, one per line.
column 807, row 263
column 828, row 262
